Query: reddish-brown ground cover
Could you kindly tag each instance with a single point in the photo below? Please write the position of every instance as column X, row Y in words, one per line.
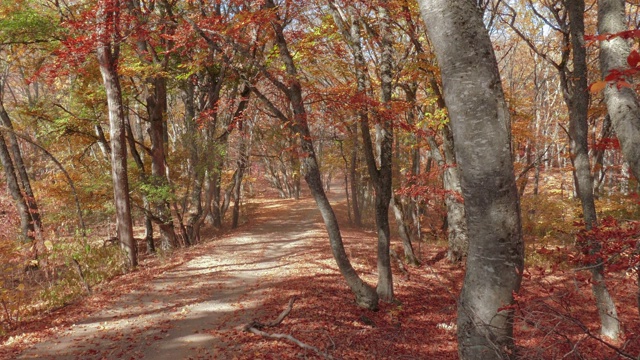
column 555, row 317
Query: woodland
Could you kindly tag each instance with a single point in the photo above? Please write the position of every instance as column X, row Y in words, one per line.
column 459, row 178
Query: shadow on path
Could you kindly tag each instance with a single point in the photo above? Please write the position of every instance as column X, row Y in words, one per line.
column 172, row 316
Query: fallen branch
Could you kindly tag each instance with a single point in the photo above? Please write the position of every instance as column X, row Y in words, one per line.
column 255, row 326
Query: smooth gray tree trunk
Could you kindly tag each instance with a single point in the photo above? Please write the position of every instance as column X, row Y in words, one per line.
column 622, row 103
column 481, row 129
column 579, row 139
column 107, row 59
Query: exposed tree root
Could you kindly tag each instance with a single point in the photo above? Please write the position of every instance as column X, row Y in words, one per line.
column 255, row 326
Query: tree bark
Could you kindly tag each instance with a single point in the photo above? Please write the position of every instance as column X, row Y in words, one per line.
column 457, row 234
column 381, row 177
column 108, row 16
column 622, row 103
column 403, row 232
column 481, row 130
column 384, row 174
column 26, row 226
column 156, row 108
column 197, row 172
column 354, row 177
column 579, row 137
column 14, row 149
column 148, row 225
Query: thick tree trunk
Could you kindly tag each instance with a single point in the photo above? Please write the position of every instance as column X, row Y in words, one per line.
column 26, row 226
column 365, row 295
column 622, row 103
column 481, row 130
column 578, row 131
column 107, row 59
column 384, row 174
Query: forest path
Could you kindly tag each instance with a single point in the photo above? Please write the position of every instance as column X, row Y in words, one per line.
column 188, row 311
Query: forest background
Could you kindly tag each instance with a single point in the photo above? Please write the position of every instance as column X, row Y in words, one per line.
column 145, row 124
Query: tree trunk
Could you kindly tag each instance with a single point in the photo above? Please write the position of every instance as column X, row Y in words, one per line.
column 405, row 236
column 456, row 219
column 354, row 177
column 481, row 130
column 23, row 177
column 197, row 173
column 148, row 225
column 242, row 164
column 384, row 174
column 578, row 131
column 156, row 108
column 26, row 226
column 622, row 103
column 107, row 17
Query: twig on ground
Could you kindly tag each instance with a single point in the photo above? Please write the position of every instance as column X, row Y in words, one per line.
column 255, row 326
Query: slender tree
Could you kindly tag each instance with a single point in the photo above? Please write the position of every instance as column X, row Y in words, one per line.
column 108, row 49
column 365, row 295
column 578, row 102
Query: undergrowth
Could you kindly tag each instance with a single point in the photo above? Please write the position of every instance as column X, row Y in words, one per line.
column 64, row 270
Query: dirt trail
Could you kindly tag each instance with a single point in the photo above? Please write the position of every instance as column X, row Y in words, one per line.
column 185, row 312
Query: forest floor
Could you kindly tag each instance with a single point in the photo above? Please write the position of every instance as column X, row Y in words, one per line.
column 194, row 304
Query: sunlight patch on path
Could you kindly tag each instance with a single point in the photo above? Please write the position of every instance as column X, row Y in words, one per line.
column 174, row 316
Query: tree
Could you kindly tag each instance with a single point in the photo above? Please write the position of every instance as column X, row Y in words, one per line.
column 578, row 132
column 365, row 295
column 156, row 103
column 14, row 189
column 622, row 102
column 107, row 50
column 481, row 130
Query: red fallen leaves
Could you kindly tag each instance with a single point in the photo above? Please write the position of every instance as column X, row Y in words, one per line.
column 552, row 311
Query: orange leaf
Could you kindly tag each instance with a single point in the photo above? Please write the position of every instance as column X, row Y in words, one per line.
column 597, row 86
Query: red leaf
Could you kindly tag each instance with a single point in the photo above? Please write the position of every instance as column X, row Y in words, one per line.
column 633, row 59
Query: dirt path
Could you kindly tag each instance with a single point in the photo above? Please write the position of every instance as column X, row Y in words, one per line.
column 185, row 312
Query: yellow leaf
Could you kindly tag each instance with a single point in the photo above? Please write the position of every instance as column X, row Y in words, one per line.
column 598, row 86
